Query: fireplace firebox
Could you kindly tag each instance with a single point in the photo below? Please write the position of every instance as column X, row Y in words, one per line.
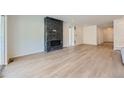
column 55, row 42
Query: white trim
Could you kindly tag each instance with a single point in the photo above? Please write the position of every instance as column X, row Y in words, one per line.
column 6, row 48
column 118, row 48
column 0, row 41
column 4, row 40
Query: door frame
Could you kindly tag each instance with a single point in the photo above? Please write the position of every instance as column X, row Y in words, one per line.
column 72, row 31
column 4, row 32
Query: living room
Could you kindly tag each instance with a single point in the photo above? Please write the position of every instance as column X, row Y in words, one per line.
column 27, row 38
column 51, row 46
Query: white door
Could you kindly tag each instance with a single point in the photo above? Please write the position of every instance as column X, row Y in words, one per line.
column 71, row 36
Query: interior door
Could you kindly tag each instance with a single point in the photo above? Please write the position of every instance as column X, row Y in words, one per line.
column 72, row 36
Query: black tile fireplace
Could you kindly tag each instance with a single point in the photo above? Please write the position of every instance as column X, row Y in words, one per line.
column 53, row 34
column 55, row 42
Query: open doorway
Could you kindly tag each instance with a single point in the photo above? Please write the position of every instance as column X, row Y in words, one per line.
column 105, row 35
column 108, row 35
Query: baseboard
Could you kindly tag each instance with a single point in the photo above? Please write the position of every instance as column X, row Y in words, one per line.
column 108, row 42
column 10, row 60
column 117, row 48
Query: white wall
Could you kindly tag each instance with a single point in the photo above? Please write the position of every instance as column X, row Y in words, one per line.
column 118, row 34
column 3, row 41
column 65, row 34
column 25, row 35
column 99, row 35
column 90, row 35
column 79, row 34
column 71, row 36
column 108, row 34
column 95, row 35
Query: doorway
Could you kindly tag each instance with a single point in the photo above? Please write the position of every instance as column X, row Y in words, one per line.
column 72, row 38
column 108, row 35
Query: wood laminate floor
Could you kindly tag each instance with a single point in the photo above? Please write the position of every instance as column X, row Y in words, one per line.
column 74, row 62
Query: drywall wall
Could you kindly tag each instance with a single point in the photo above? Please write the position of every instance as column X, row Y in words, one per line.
column 99, row 35
column 72, row 35
column 3, row 41
column 65, row 34
column 90, row 35
column 108, row 34
column 118, row 34
column 25, row 35
column 79, row 34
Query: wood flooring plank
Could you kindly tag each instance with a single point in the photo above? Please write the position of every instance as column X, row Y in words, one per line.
column 83, row 61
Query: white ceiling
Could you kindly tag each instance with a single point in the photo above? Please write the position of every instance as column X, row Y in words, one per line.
column 101, row 20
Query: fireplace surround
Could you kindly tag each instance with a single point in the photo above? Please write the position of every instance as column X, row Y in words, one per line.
column 53, row 34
